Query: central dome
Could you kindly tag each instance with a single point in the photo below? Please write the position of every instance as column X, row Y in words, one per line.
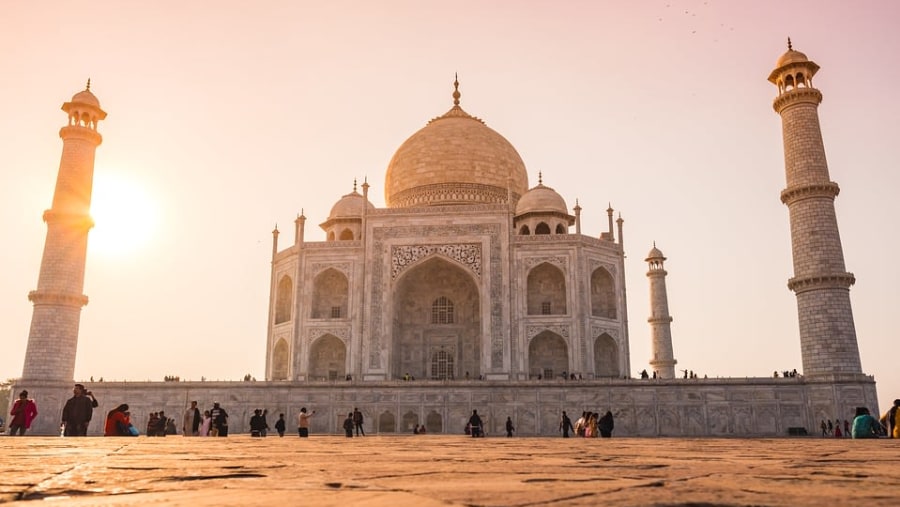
column 455, row 159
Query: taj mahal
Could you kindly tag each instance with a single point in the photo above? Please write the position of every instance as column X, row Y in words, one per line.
column 476, row 289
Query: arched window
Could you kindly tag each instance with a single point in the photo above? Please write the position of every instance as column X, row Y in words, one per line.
column 603, row 294
column 542, row 228
column 346, row 235
column 560, row 229
column 331, row 292
column 524, row 231
column 546, row 290
column 442, row 311
column 283, row 300
column 330, row 236
column 789, row 82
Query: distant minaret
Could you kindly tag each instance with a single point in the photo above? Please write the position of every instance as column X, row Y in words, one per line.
column 663, row 362
column 822, row 284
column 53, row 338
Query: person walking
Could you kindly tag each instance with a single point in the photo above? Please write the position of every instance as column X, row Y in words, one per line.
column 605, row 424
column 358, row 422
column 509, row 427
column 348, row 425
column 565, row 424
column 78, row 411
column 303, row 422
column 280, row 425
column 24, row 411
column 219, row 421
column 476, row 425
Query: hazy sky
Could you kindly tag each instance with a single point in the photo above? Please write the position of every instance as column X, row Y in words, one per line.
column 228, row 117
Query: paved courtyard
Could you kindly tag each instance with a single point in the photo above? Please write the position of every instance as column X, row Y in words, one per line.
column 428, row 470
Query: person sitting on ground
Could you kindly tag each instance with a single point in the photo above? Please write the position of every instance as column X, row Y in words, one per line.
column 864, row 425
column 118, row 422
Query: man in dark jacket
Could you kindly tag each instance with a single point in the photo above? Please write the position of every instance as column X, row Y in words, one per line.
column 78, row 411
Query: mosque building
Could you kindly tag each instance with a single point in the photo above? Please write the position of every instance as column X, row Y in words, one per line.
column 472, row 289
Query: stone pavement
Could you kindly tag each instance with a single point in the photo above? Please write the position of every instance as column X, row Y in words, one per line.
column 431, row 470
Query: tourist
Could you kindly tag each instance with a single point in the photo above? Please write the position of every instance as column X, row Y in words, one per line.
column 837, row 429
column 416, row 429
column 358, row 422
column 206, row 423
column 256, row 423
column 118, row 422
column 864, row 425
column 846, row 428
column 605, row 424
column 152, row 423
column 509, row 427
column 280, row 425
column 824, row 428
column 579, row 425
column 590, row 427
column 190, row 423
column 219, row 421
column 303, row 422
column 265, row 424
column 565, row 424
column 162, row 425
column 348, row 425
column 475, row 425
column 891, row 420
column 77, row 412
column 23, row 412
column 422, row 429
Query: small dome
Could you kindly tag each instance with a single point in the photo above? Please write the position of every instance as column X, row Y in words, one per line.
column 350, row 206
column 86, row 97
column 789, row 57
column 541, row 199
column 655, row 254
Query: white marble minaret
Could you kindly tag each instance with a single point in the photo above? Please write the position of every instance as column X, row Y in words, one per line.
column 53, row 338
column 663, row 361
column 821, row 282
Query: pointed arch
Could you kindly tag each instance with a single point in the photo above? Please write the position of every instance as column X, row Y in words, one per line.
column 283, row 299
column 329, row 236
column 280, row 360
column 387, row 423
column 331, row 292
column 524, row 231
column 346, row 235
column 328, row 358
column 603, row 294
column 410, row 421
column 548, row 355
column 542, row 228
column 560, row 229
column 546, row 292
column 434, row 423
column 606, row 357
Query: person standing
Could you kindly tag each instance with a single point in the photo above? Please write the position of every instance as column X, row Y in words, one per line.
column 265, row 424
column 205, row 424
column 358, row 422
column 78, row 411
column 565, row 424
column 477, row 427
column 23, row 412
column 190, row 424
column 279, row 425
column 891, row 420
column 303, row 422
column 219, row 421
column 348, row 425
column 509, row 427
column 256, row 423
column 605, row 424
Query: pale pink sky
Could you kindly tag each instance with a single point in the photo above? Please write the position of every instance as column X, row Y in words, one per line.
column 233, row 116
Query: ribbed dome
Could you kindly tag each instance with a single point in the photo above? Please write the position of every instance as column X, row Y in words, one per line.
column 655, row 254
column 791, row 56
column 455, row 159
column 349, row 206
column 86, row 97
column 541, row 199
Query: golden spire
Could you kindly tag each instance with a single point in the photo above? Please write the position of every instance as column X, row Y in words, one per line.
column 456, row 93
column 88, row 86
column 790, row 48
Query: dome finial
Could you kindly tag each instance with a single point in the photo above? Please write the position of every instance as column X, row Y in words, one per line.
column 456, row 94
column 354, row 185
column 790, row 47
column 540, row 178
column 88, row 86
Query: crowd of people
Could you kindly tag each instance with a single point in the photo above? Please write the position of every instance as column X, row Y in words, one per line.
column 78, row 412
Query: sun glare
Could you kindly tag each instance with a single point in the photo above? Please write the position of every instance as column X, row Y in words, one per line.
column 125, row 216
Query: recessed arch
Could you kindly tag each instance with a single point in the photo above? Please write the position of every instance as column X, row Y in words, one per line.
column 603, row 294
column 548, row 355
column 434, row 423
column 410, row 421
column 560, row 229
column 387, row 423
column 280, row 360
column 346, row 235
column 542, row 228
column 331, row 292
column 283, row 299
column 524, row 231
column 328, row 358
column 606, row 357
column 546, row 290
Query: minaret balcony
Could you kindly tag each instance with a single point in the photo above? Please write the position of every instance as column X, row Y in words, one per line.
column 800, row 284
column 796, row 193
column 798, row 95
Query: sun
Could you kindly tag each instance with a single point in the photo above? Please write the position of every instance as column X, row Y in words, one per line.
column 125, row 216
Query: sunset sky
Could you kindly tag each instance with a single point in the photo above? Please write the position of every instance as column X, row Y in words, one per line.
column 228, row 117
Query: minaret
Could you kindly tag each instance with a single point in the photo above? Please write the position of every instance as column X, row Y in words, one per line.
column 53, row 338
column 821, row 283
column 663, row 362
